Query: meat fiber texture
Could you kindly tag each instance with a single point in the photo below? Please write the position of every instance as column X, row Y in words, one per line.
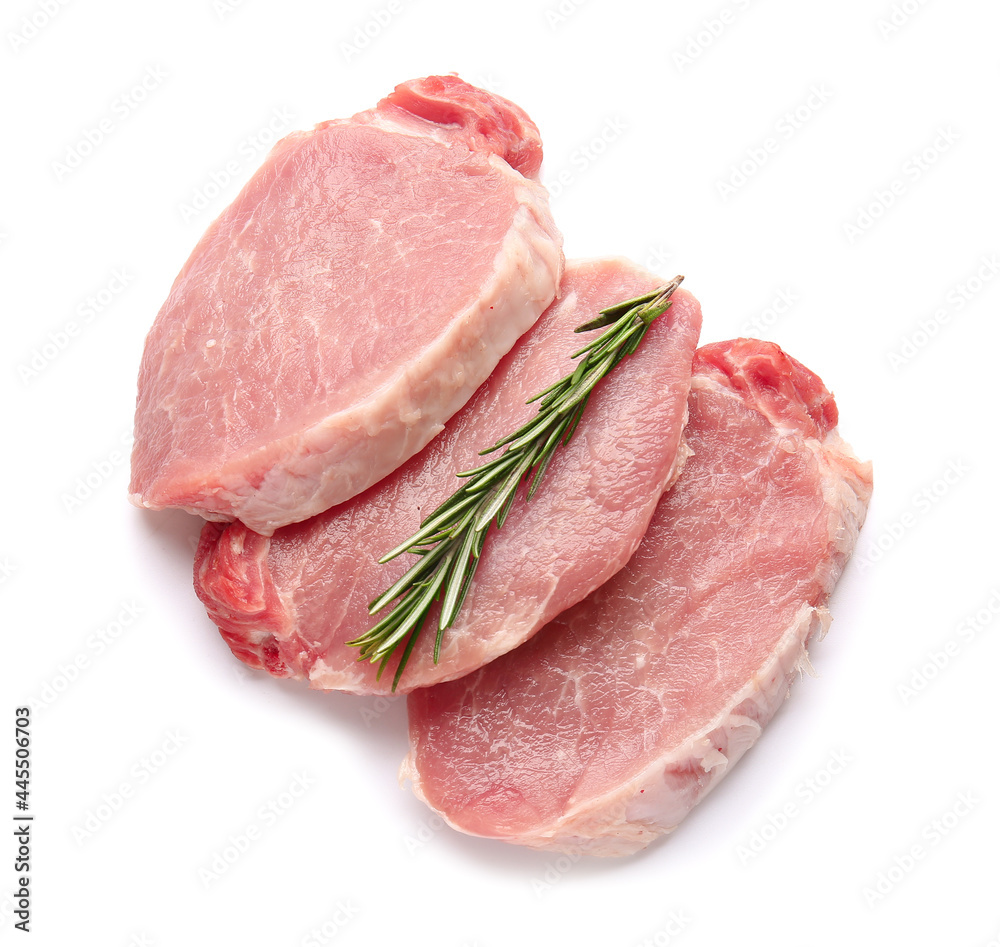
column 359, row 289
column 289, row 603
column 604, row 730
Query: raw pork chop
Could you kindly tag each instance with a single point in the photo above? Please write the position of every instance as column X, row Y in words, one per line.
column 290, row 603
column 605, row 729
column 358, row 290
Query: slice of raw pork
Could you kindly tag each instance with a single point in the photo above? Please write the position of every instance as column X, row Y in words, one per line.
column 358, row 290
column 605, row 729
column 289, row 603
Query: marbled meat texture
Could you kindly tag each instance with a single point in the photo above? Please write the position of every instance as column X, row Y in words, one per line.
column 604, row 730
column 362, row 285
column 289, row 603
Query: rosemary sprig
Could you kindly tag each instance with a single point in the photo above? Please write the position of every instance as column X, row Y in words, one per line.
column 451, row 539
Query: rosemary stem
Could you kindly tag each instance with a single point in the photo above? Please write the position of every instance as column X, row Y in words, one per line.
column 451, row 539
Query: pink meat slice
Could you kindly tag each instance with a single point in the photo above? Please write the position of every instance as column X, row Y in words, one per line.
column 604, row 730
column 359, row 289
column 289, row 603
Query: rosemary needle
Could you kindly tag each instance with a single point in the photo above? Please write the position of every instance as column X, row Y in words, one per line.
column 451, row 539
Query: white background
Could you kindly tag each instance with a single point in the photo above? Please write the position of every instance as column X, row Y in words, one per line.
column 156, row 755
